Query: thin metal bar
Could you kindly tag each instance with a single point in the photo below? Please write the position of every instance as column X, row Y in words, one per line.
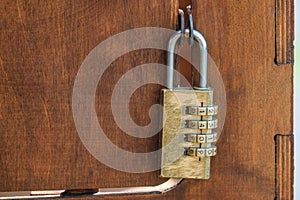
column 191, row 25
column 158, row 189
column 202, row 57
column 182, row 24
column 198, row 37
column 171, row 58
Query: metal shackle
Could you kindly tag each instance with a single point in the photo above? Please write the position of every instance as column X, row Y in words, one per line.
column 200, row 40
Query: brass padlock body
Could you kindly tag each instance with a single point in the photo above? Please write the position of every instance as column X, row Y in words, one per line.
column 175, row 162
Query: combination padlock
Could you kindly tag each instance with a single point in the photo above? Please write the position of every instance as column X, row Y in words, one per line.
column 188, row 135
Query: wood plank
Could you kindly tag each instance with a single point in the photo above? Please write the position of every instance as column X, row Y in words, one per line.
column 284, row 166
column 284, row 25
column 240, row 38
column 42, row 47
column 241, row 43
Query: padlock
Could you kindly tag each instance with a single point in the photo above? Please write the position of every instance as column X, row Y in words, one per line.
column 188, row 136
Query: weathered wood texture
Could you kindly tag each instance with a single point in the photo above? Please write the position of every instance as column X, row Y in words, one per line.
column 284, row 23
column 42, row 47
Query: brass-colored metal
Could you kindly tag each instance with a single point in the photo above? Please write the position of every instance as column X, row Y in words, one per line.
column 180, row 156
column 188, row 117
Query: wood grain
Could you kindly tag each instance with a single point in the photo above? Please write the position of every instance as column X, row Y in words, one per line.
column 284, row 29
column 284, row 166
column 44, row 43
column 259, row 97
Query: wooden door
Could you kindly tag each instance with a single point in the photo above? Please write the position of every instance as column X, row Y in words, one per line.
column 43, row 45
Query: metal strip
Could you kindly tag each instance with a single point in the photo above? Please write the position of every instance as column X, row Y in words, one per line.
column 158, row 189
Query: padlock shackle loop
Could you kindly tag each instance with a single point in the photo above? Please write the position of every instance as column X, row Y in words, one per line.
column 198, row 37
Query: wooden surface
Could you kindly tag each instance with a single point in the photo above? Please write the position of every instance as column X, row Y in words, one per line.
column 284, row 25
column 284, row 149
column 42, row 47
column 44, row 43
